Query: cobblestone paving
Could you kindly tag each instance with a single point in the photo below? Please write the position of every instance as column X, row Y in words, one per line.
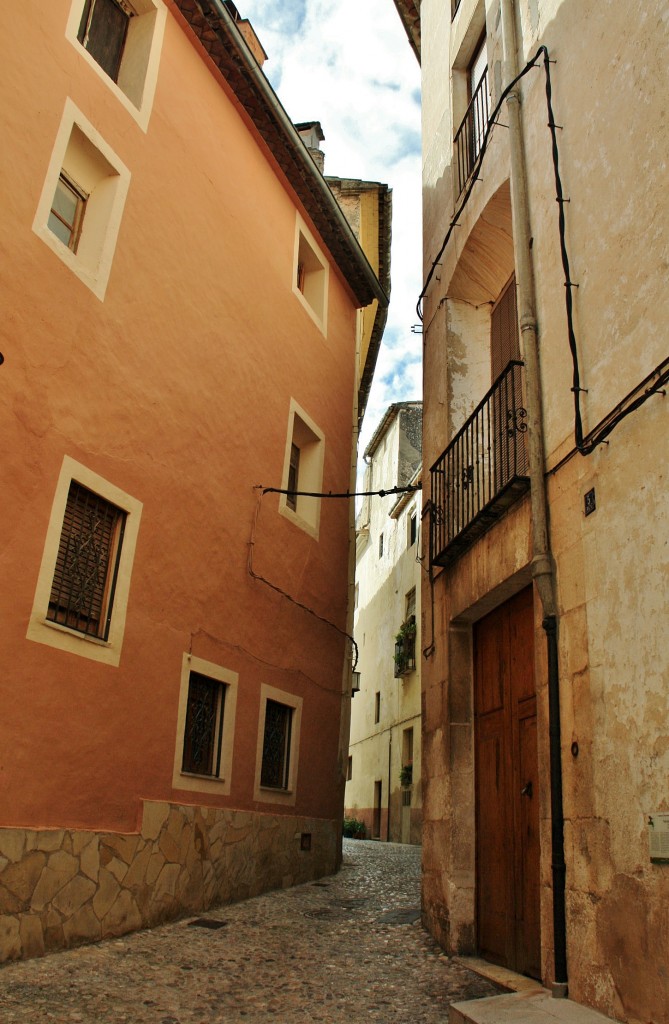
column 349, row 947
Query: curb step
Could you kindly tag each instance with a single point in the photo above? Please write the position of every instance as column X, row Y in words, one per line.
column 531, row 1007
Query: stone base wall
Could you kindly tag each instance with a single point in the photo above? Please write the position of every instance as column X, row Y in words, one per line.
column 63, row 887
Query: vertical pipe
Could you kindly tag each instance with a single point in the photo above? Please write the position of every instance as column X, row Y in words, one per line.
column 542, row 562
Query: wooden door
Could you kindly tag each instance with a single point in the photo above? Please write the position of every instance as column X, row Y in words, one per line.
column 507, row 808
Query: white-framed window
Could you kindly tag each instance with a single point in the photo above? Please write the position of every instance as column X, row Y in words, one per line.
column 67, row 211
column 121, row 41
column 412, row 528
column 311, row 275
column 79, row 212
column 83, row 584
column 205, row 727
column 302, row 470
column 278, row 746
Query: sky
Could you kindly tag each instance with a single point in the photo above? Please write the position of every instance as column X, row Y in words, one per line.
column 348, row 64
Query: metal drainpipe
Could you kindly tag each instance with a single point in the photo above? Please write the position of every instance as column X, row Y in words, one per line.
column 542, row 561
column 347, row 678
column 390, row 770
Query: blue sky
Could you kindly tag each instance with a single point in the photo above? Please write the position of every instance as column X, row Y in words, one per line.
column 347, row 64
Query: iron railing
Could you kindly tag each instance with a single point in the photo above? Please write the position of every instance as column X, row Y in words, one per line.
column 469, row 136
column 482, row 472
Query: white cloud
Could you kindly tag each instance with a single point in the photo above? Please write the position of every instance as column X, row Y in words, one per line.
column 348, row 64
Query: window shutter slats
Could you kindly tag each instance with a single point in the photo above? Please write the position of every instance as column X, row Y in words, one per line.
column 87, row 560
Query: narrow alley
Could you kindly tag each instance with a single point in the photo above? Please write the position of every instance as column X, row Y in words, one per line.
column 348, row 947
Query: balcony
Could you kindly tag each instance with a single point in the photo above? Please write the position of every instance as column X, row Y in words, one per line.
column 469, row 136
column 484, row 470
column 405, row 648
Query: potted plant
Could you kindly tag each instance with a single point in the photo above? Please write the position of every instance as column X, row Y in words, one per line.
column 406, row 774
column 354, row 828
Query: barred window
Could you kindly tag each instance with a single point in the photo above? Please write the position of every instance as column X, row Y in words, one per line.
column 276, row 745
column 82, row 591
column 204, row 726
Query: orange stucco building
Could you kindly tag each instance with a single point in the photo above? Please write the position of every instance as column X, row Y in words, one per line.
column 182, row 324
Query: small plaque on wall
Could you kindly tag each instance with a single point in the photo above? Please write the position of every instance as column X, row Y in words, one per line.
column 658, row 836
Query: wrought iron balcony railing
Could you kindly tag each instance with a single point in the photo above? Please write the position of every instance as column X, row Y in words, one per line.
column 483, row 471
column 469, row 136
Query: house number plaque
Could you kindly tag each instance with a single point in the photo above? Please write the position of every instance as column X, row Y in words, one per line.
column 658, row 835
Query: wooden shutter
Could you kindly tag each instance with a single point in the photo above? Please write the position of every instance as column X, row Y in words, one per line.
column 102, row 32
column 504, row 344
column 88, row 553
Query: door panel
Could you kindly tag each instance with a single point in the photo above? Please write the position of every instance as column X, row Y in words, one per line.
column 507, row 810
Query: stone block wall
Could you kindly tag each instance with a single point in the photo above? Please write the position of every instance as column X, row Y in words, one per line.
column 64, row 887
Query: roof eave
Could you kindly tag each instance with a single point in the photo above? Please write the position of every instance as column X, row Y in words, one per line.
column 215, row 30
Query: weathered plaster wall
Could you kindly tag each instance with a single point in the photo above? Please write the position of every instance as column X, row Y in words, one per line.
column 383, row 583
column 611, row 566
column 63, row 887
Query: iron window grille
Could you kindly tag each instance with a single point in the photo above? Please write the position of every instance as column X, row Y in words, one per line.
column 275, row 770
column 84, row 580
column 103, row 31
column 469, row 136
column 482, row 472
column 67, row 211
column 204, row 726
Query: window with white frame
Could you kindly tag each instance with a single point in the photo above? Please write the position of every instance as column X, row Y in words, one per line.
column 303, row 470
column 83, row 584
column 278, row 746
column 122, row 43
column 67, row 211
column 205, row 727
column 310, row 275
column 412, row 528
column 79, row 212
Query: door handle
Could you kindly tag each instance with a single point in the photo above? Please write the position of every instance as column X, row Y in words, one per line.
column 527, row 789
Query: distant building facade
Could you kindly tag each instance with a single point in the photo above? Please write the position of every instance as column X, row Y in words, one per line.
column 186, row 329
column 545, row 750
column 384, row 777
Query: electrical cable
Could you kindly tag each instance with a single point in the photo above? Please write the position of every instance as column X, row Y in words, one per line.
column 262, row 579
column 410, row 488
column 584, row 445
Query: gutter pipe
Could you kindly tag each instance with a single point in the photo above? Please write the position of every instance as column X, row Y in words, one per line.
column 542, row 560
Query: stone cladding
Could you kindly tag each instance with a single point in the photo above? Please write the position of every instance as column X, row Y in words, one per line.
column 64, row 887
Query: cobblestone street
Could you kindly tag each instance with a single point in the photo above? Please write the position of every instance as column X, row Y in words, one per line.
column 348, row 947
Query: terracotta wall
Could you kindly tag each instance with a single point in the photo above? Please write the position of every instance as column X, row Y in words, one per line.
column 176, row 389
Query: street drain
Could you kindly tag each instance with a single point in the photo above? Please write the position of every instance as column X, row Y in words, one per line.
column 406, row 915
column 206, row 922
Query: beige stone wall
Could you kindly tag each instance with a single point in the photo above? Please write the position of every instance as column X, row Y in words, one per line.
column 611, row 566
column 62, row 887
